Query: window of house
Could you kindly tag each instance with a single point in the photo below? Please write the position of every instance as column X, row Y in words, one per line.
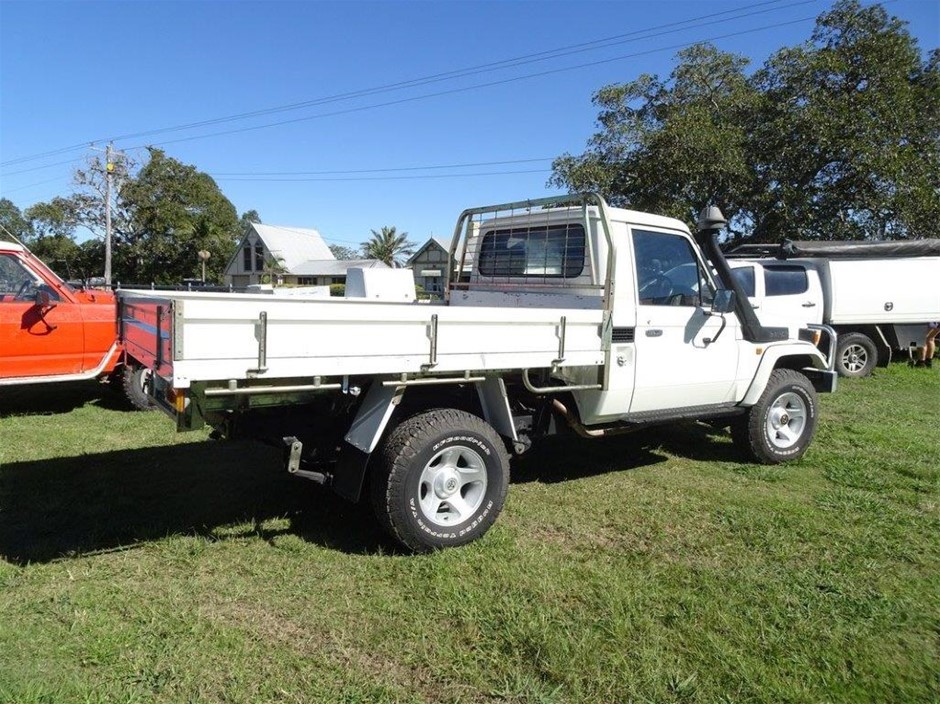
column 785, row 280
column 667, row 271
column 306, row 280
column 259, row 258
column 247, row 258
column 555, row 251
column 337, row 280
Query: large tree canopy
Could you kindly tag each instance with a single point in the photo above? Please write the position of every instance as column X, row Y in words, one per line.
column 161, row 217
column 174, row 211
column 838, row 138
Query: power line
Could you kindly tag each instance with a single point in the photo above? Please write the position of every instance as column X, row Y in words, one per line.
column 30, row 185
column 378, row 178
column 482, row 68
column 450, row 75
column 45, row 166
column 476, row 86
column 373, row 171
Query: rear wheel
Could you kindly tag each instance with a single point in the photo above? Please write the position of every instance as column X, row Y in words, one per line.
column 781, row 425
column 856, row 355
column 442, row 480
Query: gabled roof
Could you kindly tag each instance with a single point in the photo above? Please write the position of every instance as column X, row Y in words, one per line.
column 335, row 267
column 292, row 246
column 432, row 241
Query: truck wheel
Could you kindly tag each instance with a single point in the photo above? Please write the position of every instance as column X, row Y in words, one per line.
column 856, row 355
column 134, row 379
column 780, row 426
column 442, row 480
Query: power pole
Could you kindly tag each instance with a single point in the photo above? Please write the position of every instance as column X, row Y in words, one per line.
column 108, row 169
column 109, row 166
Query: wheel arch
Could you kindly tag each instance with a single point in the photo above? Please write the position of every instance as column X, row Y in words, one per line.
column 384, row 408
column 782, row 357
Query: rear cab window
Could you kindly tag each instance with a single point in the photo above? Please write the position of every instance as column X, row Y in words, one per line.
column 785, row 280
column 548, row 252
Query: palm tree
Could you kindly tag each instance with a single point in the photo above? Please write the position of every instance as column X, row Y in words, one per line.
column 389, row 246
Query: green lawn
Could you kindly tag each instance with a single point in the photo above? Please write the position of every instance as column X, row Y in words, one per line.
column 140, row 565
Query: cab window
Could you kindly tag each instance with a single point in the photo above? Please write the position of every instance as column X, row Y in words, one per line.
column 785, row 280
column 667, row 271
column 16, row 281
column 542, row 252
column 745, row 276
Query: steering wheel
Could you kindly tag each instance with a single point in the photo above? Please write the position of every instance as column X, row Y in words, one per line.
column 20, row 294
column 658, row 287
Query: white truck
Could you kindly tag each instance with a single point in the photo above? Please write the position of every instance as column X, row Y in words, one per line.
column 558, row 317
column 878, row 296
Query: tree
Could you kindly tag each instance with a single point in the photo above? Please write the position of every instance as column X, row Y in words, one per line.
column 13, row 222
column 850, row 132
column 341, row 252
column 671, row 146
column 52, row 233
column 389, row 246
column 836, row 138
column 174, row 211
column 248, row 219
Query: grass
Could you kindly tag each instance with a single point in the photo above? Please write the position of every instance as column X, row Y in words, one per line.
column 138, row 565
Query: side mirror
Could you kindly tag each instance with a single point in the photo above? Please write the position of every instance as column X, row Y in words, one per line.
column 43, row 299
column 724, row 301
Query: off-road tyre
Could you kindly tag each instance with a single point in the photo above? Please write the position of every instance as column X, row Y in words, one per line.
column 413, row 460
column 133, row 381
column 856, row 355
column 780, row 426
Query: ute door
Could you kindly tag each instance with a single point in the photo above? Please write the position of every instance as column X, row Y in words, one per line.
column 681, row 359
column 36, row 339
column 792, row 296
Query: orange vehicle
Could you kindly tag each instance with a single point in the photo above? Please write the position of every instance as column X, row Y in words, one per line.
column 50, row 331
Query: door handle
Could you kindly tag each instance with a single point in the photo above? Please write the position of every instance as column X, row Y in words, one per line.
column 655, row 332
column 809, row 304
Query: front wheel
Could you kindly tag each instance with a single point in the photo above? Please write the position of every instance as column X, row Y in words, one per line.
column 442, row 480
column 781, row 425
column 134, row 381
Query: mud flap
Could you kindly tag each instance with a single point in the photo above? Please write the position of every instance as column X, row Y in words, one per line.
column 350, row 472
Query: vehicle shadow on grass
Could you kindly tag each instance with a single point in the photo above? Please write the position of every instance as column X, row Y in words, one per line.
column 68, row 506
column 59, row 397
column 568, row 457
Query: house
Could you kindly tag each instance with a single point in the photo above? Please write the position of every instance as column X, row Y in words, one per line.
column 430, row 264
column 317, row 272
column 288, row 255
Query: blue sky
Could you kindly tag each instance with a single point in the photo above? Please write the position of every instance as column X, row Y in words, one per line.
column 76, row 72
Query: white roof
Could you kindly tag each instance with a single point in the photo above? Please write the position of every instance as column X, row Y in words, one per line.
column 11, row 247
column 335, row 267
column 292, row 246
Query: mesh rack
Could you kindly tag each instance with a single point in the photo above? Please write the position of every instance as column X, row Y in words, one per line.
column 531, row 245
